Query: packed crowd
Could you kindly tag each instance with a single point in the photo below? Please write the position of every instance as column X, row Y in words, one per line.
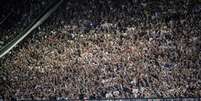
column 93, row 49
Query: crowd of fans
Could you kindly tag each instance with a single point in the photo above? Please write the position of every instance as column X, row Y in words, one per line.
column 94, row 49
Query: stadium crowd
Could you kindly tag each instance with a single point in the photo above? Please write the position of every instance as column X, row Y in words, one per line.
column 94, row 49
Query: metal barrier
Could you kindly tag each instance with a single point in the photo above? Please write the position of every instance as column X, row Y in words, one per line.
column 5, row 49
